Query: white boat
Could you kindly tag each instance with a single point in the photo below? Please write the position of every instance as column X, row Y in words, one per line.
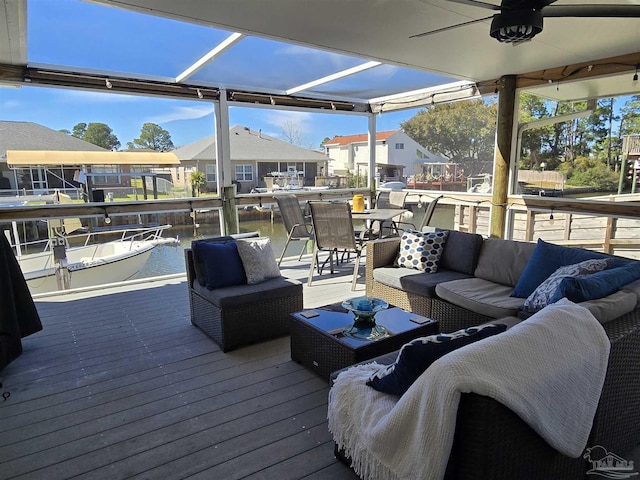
column 91, row 263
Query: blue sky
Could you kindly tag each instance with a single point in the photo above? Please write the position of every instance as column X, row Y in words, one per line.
column 186, row 121
column 81, row 34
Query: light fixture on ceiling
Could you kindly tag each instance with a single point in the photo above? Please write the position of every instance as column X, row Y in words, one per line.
column 108, row 83
column 516, row 26
column 333, row 106
column 635, row 76
column 199, row 93
column 107, row 219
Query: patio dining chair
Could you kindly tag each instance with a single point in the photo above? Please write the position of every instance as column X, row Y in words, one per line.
column 333, row 230
column 392, row 200
column 298, row 227
column 428, row 214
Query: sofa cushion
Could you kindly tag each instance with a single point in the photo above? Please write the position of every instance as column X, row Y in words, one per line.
column 238, row 295
column 461, row 252
column 545, row 293
column 547, row 258
column 415, row 281
column 416, row 356
column 598, row 285
column 502, row 261
column 258, row 259
column 221, row 261
column 480, row 296
column 421, row 251
column 612, row 306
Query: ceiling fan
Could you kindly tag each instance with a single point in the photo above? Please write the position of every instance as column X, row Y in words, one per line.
column 521, row 20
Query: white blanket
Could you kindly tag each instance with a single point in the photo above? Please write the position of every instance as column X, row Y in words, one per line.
column 548, row 369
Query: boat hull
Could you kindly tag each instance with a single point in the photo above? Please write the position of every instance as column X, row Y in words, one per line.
column 87, row 266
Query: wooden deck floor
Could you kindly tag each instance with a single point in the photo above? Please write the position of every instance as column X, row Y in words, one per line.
column 119, row 384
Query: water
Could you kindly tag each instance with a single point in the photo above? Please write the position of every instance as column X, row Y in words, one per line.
column 167, row 260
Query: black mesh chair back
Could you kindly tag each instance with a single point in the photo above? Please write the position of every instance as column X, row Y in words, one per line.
column 298, row 228
column 333, row 230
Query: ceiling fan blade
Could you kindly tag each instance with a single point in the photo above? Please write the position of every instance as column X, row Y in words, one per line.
column 476, row 3
column 451, row 27
column 603, row 11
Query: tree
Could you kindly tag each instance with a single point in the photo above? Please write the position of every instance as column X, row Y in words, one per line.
column 198, row 181
column 65, row 131
column 154, row 137
column 292, row 134
column 97, row 133
column 464, row 132
column 79, row 129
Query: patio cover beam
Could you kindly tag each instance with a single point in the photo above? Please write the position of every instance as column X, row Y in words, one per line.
column 226, row 44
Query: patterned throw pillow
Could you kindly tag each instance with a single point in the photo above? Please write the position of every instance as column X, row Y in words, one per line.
column 258, row 259
column 541, row 296
column 421, row 251
column 416, row 356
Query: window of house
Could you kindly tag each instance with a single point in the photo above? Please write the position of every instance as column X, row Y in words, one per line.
column 244, row 173
column 399, row 146
column 113, row 170
column 211, row 172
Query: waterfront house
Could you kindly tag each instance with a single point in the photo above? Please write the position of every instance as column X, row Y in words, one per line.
column 397, row 155
column 255, row 158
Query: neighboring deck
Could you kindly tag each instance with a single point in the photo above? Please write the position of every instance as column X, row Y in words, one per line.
column 119, row 384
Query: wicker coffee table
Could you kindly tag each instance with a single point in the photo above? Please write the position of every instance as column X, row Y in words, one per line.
column 318, row 342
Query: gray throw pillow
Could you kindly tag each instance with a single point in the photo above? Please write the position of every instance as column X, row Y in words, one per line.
column 258, row 259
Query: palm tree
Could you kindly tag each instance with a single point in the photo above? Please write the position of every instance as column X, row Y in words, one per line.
column 198, row 181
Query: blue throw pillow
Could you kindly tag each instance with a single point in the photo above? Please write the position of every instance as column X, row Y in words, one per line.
column 598, row 285
column 416, row 356
column 545, row 293
column 546, row 259
column 222, row 263
column 198, row 263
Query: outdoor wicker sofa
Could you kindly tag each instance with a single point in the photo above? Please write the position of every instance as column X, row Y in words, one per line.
column 242, row 314
column 491, row 441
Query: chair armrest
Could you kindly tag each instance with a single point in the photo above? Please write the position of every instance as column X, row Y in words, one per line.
column 188, row 261
column 380, row 253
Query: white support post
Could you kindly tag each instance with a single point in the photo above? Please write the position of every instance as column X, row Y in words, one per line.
column 226, row 189
column 371, row 181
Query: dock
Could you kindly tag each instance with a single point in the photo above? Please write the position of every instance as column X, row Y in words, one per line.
column 119, row 384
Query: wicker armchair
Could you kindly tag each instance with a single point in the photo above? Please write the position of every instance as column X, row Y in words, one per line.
column 242, row 314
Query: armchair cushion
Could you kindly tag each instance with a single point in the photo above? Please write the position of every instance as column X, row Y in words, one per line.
column 258, row 259
column 218, row 264
column 416, row 356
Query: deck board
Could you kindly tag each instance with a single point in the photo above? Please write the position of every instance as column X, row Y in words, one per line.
column 119, row 384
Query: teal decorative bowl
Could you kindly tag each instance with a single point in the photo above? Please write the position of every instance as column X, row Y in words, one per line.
column 364, row 325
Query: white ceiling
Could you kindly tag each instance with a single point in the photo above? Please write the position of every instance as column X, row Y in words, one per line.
column 380, row 30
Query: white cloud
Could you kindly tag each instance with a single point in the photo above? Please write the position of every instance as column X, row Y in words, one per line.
column 10, row 104
column 182, row 113
column 278, row 118
column 82, row 96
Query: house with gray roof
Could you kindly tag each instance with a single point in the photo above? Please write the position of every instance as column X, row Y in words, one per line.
column 32, row 136
column 257, row 160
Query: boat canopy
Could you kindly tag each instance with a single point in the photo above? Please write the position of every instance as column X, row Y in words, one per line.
column 63, row 157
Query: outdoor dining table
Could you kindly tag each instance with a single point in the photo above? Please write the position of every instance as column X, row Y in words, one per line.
column 378, row 215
